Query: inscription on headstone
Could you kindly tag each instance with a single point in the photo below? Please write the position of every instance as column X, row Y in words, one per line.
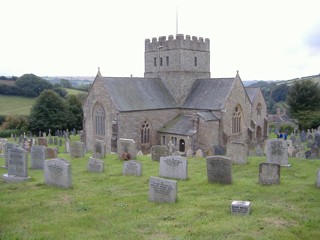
column 162, row 190
column 240, row 207
column 219, row 169
column 277, row 152
column 57, row 172
column 173, row 167
column 269, row 173
column 132, row 167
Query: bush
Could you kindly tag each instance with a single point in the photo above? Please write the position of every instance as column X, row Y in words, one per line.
column 7, row 133
column 286, row 128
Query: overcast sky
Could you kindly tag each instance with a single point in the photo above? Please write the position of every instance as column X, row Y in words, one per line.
column 264, row 40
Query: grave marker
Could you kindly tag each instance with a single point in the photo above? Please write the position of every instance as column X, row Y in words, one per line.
column 132, row 167
column 57, row 172
column 95, row 165
column 158, row 151
column 219, row 169
column 240, row 207
column 38, row 154
column 277, row 152
column 173, row 167
column 162, row 190
column 269, row 173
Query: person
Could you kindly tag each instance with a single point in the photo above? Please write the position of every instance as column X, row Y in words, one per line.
column 281, row 135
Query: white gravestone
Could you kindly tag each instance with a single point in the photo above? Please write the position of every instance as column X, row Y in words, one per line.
column 240, row 207
column 57, row 172
column 277, row 152
column 173, row 167
column 162, row 190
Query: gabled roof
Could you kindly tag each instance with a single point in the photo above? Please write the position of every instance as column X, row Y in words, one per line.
column 209, row 94
column 134, row 94
column 208, row 116
column 181, row 125
column 252, row 92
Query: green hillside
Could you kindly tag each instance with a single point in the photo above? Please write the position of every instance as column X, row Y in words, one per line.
column 13, row 105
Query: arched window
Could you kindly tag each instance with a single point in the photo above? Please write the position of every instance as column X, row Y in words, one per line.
column 145, row 132
column 259, row 107
column 236, row 120
column 99, row 118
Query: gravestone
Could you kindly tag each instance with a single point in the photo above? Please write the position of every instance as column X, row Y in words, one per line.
column 17, row 166
column 127, row 149
column 162, row 190
column 7, row 147
column 173, row 167
column 60, row 142
column 55, row 141
column 140, row 153
column 99, row 149
column 219, row 169
column 132, row 167
column 277, row 152
column 237, row 152
column 290, row 151
column 50, row 140
column 52, row 153
column 77, row 149
column 57, row 172
column 317, row 138
column 189, row 153
column 240, row 207
column 293, row 138
column 95, row 165
column 269, row 173
column 199, row 153
column 158, row 151
column 67, row 146
column 42, row 141
column 303, row 136
column 37, row 155
column 318, row 178
column 301, row 154
column 219, row 150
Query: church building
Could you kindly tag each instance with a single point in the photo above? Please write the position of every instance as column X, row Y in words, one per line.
column 177, row 101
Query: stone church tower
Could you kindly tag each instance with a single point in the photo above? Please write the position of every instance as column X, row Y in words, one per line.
column 179, row 62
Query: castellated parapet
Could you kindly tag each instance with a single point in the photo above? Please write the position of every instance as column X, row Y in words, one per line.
column 180, row 42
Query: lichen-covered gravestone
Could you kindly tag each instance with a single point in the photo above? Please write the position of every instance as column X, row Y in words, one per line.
column 95, row 165
column 269, row 173
column 173, row 167
column 77, row 149
column 237, row 152
column 219, row 169
column 127, row 149
column 57, row 172
column 277, row 152
column 99, row 149
column 158, row 151
column 7, row 147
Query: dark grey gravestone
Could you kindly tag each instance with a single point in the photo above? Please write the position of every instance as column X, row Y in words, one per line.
column 308, row 154
column 240, row 207
column 95, row 165
column 127, row 149
column 50, row 140
column 173, row 167
column 317, row 138
column 17, row 166
column 132, row 167
column 77, row 149
column 6, row 149
column 42, row 141
column 99, row 149
column 60, row 142
column 162, row 190
column 55, row 141
column 293, row 138
column 219, row 169
column 37, row 155
column 158, row 151
column 269, row 173
column 303, row 136
column 277, row 152
column 57, row 172
column 219, row 150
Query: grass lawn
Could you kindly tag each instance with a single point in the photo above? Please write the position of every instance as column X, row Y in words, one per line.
column 13, row 105
column 74, row 91
column 111, row 206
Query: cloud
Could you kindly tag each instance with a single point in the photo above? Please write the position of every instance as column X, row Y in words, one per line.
column 312, row 40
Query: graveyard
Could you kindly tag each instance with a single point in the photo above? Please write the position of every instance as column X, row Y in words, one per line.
column 113, row 202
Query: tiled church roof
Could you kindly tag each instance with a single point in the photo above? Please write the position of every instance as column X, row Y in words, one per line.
column 134, row 94
column 252, row 92
column 181, row 125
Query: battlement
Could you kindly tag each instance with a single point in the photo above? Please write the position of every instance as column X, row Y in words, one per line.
column 179, row 42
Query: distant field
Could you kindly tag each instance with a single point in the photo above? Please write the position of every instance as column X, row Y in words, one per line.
column 12, row 105
column 74, row 91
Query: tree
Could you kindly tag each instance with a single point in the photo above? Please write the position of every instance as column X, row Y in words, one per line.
column 74, row 112
column 303, row 96
column 65, row 83
column 32, row 85
column 48, row 112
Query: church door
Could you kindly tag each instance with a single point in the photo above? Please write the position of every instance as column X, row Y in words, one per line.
column 181, row 145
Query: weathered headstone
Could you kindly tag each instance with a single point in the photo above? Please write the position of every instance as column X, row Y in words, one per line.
column 303, row 136
column 37, row 155
column 158, row 151
column 269, row 173
column 95, row 165
column 99, row 149
column 52, row 153
column 240, row 207
column 162, row 190
column 237, row 152
column 140, row 153
column 42, row 141
column 17, row 166
column 67, row 146
column 199, row 153
column 219, row 150
column 173, row 167
column 301, row 154
column 132, row 167
column 7, row 147
column 127, row 149
column 318, row 178
column 277, row 152
column 55, row 141
column 219, row 169
column 57, row 172
column 317, row 138
column 189, row 153
column 77, row 149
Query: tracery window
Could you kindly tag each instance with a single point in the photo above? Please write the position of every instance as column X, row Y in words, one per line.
column 99, row 117
column 236, row 120
column 145, row 132
column 259, row 107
